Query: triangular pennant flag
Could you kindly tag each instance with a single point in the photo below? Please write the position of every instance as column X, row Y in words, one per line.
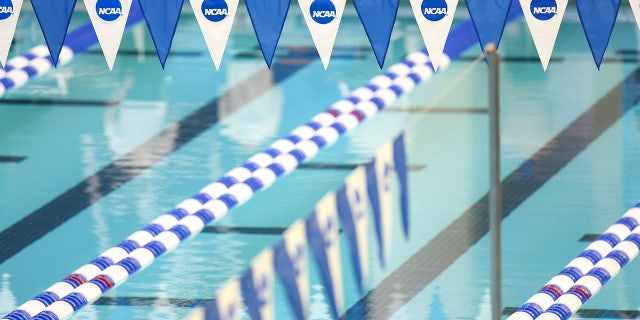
column 401, row 168
column 290, row 260
column 323, row 233
column 635, row 8
column 109, row 18
column 378, row 18
column 215, row 18
column 434, row 19
column 598, row 19
column 54, row 17
column 9, row 13
column 323, row 19
column 379, row 173
column 267, row 17
column 257, row 286
column 162, row 20
column 544, row 18
column 489, row 18
column 227, row 305
column 352, row 210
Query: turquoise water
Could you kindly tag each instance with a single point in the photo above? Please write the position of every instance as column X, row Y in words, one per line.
column 65, row 142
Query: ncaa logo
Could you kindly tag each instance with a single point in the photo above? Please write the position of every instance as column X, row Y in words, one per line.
column 544, row 9
column 109, row 10
column 215, row 10
column 322, row 11
column 434, row 10
column 6, row 9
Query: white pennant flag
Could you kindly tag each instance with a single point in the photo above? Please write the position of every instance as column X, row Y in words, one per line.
column 258, row 287
column 215, row 18
column 635, row 7
column 434, row 19
column 379, row 183
column 323, row 19
column 109, row 18
column 228, row 303
column 9, row 13
column 544, row 18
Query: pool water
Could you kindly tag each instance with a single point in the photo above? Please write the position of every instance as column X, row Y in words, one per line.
column 96, row 155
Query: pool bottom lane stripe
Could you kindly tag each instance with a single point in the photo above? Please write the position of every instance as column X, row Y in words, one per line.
column 432, row 259
column 67, row 205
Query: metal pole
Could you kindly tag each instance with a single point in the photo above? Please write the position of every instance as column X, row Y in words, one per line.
column 495, row 192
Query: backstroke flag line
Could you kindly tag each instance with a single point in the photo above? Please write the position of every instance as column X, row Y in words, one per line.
column 489, row 17
column 379, row 184
column 215, row 18
column 378, row 18
column 9, row 13
column 162, row 21
column 109, row 18
column 598, row 18
column 323, row 236
column 353, row 212
column 291, row 264
column 54, row 17
column 434, row 18
column 228, row 304
column 257, row 285
column 544, row 18
column 267, row 17
column 323, row 19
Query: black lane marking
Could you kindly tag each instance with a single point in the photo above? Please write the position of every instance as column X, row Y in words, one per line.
column 438, row 254
column 589, row 237
column 149, row 302
column 62, row 102
column 244, row 230
column 437, row 110
column 11, row 159
column 348, row 166
column 516, row 59
column 67, row 205
column 133, row 52
column 593, row 313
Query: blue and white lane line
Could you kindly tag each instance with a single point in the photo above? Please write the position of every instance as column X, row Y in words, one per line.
column 140, row 249
column 565, row 293
column 20, row 69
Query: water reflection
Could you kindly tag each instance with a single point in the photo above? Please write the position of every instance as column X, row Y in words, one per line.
column 8, row 301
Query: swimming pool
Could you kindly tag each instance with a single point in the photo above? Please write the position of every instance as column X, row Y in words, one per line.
column 114, row 150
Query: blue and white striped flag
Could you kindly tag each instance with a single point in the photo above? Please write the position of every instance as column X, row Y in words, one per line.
column 257, row 286
column 352, row 208
column 215, row 18
column 379, row 172
column 109, row 18
column 543, row 18
column 290, row 260
column 228, row 304
column 9, row 13
column 323, row 19
column 434, row 19
column 323, row 232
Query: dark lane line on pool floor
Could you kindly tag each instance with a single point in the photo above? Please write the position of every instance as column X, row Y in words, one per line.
column 70, row 203
column 149, row 302
column 133, row 52
column 12, row 159
column 452, row 110
column 453, row 241
column 348, row 166
column 59, row 102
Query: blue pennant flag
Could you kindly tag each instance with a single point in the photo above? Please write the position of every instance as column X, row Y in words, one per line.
column 379, row 184
column 290, row 261
column 257, row 286
column 598, row 19
column 378, row 17
column 323, row 233
column 489, row 18
column 400, row 164
column 352, row 209
column 54, row 17
column 267, row 17
column 162, row 20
